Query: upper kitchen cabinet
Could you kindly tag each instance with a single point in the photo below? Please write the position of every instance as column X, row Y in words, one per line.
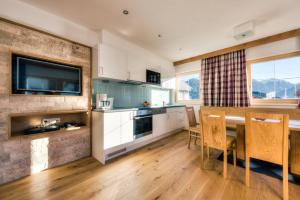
column 137, row 67
column 116, row 58
column 112, row 63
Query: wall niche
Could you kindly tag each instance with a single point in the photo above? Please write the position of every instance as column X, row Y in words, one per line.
column 21, row 155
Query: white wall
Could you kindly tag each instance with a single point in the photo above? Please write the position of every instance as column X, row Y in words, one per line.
column 34, row 17
column 188, row 67
column 274, row 48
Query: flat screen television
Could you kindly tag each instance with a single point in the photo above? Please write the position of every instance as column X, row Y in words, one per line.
column 36, row 76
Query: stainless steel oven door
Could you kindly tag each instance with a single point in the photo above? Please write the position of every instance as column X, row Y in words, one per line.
column 142, row 126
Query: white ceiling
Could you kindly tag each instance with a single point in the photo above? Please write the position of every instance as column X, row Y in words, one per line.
column 195, row 26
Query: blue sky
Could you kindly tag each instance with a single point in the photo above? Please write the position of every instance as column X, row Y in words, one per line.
column 288, row 69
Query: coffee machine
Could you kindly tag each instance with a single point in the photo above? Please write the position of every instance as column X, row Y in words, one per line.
column 103, row 103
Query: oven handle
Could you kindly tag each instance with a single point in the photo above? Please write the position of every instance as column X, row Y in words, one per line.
column 143, row 117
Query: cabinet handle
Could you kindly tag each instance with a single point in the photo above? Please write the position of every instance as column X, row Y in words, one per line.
column 131, row 116
column 142, row 117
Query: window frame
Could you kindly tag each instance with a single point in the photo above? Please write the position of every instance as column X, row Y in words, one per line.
column 249, row 82
column 191, row 101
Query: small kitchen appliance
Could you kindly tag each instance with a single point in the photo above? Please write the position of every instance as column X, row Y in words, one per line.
column 103, row 103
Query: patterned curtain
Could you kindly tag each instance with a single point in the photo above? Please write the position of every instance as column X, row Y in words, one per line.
column 224, row 80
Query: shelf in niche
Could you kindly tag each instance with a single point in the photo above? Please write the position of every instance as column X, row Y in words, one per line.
column 49, row 134
column 21, row 121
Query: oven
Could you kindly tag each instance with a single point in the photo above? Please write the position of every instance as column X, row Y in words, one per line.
column 142, row 123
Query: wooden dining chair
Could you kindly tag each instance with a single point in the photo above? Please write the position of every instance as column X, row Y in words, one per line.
column 194, row 127
column 214, row 135
column 267, row 139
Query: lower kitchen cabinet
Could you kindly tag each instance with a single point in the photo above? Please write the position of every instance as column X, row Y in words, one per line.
column 126, row 127
column 118, row 128
column 160, row 124
column 110, row 131
column 113, row 131
column 172, row 120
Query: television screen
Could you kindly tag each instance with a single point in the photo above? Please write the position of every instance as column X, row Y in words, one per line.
column 36, row 76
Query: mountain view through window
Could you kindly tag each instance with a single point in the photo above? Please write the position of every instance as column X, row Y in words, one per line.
column 278, row 79
column 188, row 87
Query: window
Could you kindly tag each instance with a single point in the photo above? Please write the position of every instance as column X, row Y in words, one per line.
column 188, row 86
column 276, row 78
column 159, row 96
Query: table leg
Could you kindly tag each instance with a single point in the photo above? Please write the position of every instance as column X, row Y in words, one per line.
column 240, row 133
column 295, row 152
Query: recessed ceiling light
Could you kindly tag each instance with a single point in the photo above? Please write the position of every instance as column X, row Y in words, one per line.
column 125, row 12
column 159, row 35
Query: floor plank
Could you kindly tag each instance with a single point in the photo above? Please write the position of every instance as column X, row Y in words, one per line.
column 163, row 170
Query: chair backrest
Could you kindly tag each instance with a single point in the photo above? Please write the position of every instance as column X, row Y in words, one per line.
column 213, row 128
column 191, row 116
column 267, row 136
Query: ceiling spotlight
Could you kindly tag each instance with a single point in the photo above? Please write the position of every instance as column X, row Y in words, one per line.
column 125, row 12
column 159, row 35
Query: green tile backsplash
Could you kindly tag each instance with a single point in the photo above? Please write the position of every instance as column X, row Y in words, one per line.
column 129, row 95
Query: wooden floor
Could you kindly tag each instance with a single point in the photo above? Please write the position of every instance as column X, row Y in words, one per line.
column 162, row 170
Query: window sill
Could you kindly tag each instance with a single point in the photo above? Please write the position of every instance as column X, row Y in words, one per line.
column 274, row 102
column 286, row 106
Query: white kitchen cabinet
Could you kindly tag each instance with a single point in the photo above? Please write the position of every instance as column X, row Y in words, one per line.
column 118, row 128
column 160, row 124
column 126, row 126
column 181, row 117
column 112, row 131
column 112, row 63
column 168, row 122
column 116, row 58
column 176, row 118
column 137, row 68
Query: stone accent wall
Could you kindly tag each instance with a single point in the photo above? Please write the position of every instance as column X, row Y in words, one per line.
column 20, row 156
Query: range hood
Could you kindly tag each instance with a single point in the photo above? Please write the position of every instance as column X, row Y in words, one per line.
column 133, row 82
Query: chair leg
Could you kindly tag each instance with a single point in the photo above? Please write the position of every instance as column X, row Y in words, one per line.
column 225, row 164
column 247, row 178
column 202, row 154
column 234, row 158
column 285, row 182
column 195, row 141
column 190, row 137
column 207, row 148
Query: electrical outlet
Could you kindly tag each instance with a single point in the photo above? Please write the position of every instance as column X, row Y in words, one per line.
column 50, row 121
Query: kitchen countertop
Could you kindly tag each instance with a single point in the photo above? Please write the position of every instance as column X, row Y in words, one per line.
column 123, row 109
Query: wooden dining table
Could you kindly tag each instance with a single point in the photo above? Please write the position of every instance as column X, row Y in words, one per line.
column 294, row 125
column 294, row 136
